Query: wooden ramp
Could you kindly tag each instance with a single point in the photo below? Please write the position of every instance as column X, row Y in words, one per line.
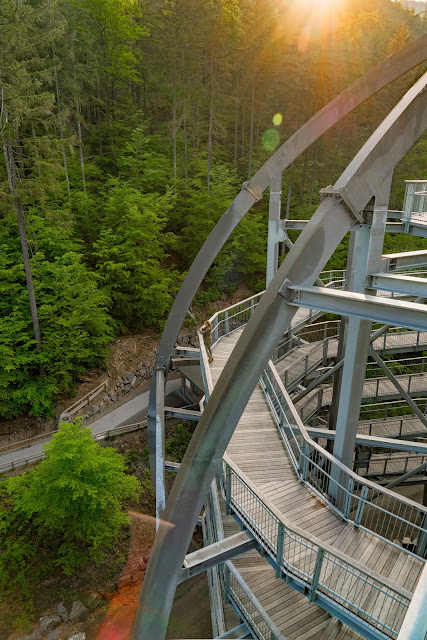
column 257, row 449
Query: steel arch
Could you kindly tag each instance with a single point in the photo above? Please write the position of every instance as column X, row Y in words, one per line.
column 338, row 212
column 376, row 79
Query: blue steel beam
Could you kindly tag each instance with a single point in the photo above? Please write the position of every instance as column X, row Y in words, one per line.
column 346, row 303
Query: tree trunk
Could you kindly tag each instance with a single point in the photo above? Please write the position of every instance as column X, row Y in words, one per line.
column 236, row 131
column 61, row 131
column 174, row 128
column 185, row 149
column 313, row 175
column 210, row 131
column 251, row 136
column 36, row 153
column 303, row 177
column 99, row 119
column 27, row 266
column 79, row 135
column 243, row 130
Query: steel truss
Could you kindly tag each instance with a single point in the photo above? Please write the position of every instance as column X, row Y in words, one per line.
column 341, row 210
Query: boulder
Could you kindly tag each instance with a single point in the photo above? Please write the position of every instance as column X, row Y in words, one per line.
column 54, row 634
column 62, row 612
column 125, row 580
column 130, row 377
column 47, row 623
column 93, row 601
column 113, row 397
column 138, row 577
column 78, row 636
column 36, row 635
column 78, row 612
column 127, row 388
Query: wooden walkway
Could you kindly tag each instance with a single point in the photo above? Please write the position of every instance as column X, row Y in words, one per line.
column 257, row 449
column 292, row 366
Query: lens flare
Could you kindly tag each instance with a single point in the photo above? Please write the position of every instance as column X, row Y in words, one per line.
column 277, row 119
column 271, row 139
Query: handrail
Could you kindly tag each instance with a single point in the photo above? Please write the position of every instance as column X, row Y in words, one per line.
column 328, row 455
column 305, row 558
column 102, row 435
column 391, row 518
column 414, row 626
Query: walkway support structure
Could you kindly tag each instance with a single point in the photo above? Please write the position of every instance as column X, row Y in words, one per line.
column 340, row 211
column 382, row 75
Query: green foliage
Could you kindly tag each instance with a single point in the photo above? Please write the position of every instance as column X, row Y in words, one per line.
column 65, row 512
column 74, row 498
column 176, row 444
column 132, row 134
column 72, row 313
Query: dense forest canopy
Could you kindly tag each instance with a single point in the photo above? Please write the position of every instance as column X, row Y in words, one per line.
column 127, row 129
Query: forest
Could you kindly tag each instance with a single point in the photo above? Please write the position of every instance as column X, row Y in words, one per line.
column 127, row 128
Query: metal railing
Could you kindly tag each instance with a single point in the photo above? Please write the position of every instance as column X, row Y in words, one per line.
column 390, row 464
column 389, row 516
column 367, row 600
column 26, row 459
column 229, row 320
column 398, row 366
column 82, row 402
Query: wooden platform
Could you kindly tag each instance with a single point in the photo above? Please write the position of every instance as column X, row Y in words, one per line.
column 257, row 449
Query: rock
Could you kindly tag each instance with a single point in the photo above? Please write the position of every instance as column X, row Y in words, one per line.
column 136, row 383
column 106, row 399
column 138, row 577
column 78, row 612
column 113, row 397
column 36, row 635
column 47, row 623
column 93, row 601
column 62, row 612
column 130, row 377
column 123, row 582
column 96, row 409
column 54, row 634
column 127, row 388
column 78, row 636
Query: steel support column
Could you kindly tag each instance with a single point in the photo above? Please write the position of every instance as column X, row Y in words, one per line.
column 368, row 244
column 275, row 230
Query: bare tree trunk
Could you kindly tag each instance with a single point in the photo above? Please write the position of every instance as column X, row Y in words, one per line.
column 61, row 131
column 185, row 149
column 303, row 177
column 99, row 120
column 174, row 128
column 251, row 136
column 210, row 131
column 236, row 131
column 36, row 153
column 243, row 130
column 24, row 246
column 313, row 175
column 79, row 135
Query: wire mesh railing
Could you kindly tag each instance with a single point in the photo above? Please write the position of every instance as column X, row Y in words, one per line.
column 388, row 516
column 326, row 575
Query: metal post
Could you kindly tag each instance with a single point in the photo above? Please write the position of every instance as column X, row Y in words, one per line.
column 275, row 233
column 160, row 482
column 316, row 574
column 280, row 547
column 227, row 489
column 361, row 505
column 227, row 324
column 368, row 245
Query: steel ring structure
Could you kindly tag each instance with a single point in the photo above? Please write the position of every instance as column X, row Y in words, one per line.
column 360, row 192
